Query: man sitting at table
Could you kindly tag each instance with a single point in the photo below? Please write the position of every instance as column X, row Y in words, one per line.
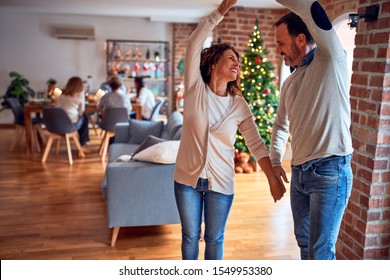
column 116, row 98
column 105, row 86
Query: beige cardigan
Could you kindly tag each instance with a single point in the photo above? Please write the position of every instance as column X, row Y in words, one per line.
column 213, row 146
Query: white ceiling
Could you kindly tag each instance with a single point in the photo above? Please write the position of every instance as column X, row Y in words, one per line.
column 154, row 10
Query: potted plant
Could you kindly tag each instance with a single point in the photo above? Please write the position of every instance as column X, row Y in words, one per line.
column 18, row 88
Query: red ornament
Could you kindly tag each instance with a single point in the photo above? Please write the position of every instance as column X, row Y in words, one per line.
column 257, row 60
column 137, row 68
column 145, row 67
column 267, row 91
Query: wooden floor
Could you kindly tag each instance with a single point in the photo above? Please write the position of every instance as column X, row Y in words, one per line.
column 56, row 211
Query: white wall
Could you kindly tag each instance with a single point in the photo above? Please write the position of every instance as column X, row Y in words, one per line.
column 27, row 46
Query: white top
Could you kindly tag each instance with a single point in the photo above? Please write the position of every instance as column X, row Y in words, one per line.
column 217, row 107
column 74, row 105
column 206, row 145
column 146, row 99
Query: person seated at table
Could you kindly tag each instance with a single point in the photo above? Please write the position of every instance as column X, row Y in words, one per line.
column 72, row 100
column 116, row 98
column 106, row 85
column 51, row 86
column 144, row 97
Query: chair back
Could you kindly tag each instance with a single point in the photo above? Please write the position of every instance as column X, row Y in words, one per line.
column 57, row 121
column 156, row 110
column 17, row 110
column 112, row 116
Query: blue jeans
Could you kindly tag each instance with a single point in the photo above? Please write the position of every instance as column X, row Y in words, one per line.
column 320, row 190
column 190, row 203
column 83, row 129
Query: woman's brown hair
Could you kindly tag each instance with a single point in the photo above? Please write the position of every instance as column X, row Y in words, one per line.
column 73, row 86
column 209, row 57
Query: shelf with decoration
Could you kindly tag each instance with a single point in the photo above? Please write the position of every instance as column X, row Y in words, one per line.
column 147, row 59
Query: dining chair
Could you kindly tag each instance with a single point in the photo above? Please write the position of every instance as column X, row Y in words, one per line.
column 18, row 112
column 110, row 117
column 156, row 110
column 59, row 125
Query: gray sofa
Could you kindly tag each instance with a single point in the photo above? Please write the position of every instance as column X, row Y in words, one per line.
column 140, row 193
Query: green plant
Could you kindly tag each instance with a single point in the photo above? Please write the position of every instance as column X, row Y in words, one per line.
column 18, row 88
column 180, row 67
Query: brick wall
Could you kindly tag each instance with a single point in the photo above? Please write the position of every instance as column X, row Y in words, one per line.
column 236, row 29
column 181, row 32
column 365, row 231
column 334, row 8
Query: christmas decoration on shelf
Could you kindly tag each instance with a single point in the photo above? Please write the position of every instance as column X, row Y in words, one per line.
column 128, row 54
column 137, row 68
column 258, row 88
column 147, row 55
column 179, row 93
column 157, row 56
column 160, row 68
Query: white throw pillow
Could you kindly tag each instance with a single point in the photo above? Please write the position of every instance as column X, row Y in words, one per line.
column 164, row 152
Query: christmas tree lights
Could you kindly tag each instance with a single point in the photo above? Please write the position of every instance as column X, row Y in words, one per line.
column 258, row 88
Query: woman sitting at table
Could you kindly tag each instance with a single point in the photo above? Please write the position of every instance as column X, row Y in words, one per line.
column 72, row 100
column 144, row 97
column 115, row 98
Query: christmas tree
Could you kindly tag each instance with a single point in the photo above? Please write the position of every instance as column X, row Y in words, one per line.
column 258, row 88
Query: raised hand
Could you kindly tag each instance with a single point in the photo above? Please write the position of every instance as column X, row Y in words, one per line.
column 226, row 5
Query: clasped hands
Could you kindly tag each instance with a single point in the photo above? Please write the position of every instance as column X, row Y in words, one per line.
column 277, row 186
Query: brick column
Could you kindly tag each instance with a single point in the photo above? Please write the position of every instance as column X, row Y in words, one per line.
column 365, row 230
column 181, row 32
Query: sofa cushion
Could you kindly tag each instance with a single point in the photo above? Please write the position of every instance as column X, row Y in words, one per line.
column 163, row 153
column 139, row 130
column 175, row 121
column 149, row 141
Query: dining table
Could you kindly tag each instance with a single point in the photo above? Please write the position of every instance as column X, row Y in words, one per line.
column 36, row 107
